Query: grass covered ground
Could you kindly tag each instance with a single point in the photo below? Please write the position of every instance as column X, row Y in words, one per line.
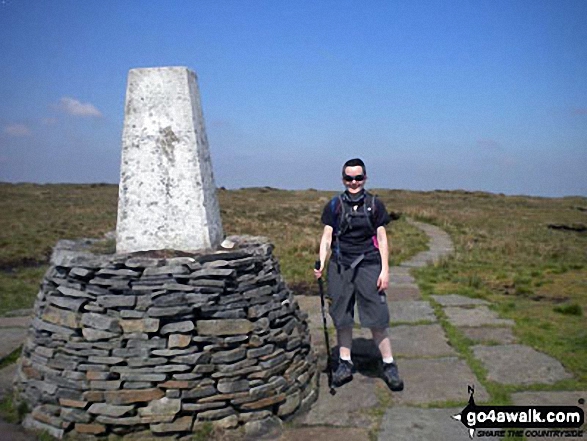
column 34, row 217
column 507, row 253
column 505, row 250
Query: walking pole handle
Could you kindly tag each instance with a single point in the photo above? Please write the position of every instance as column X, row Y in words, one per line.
column 317, row 267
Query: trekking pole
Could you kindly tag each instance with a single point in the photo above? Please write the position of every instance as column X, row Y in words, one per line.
column 326, row 339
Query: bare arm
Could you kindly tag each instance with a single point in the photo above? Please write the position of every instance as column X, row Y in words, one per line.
column 383, row 280
column 325, row 243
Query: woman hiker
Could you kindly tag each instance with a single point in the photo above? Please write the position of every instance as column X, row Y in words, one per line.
column 358, row 270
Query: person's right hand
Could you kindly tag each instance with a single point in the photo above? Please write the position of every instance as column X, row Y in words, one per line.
column 318, row 272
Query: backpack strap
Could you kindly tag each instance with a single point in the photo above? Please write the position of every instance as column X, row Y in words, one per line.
column 335, row 205
column 369, row 209
column 336, row 209
column 340, row 209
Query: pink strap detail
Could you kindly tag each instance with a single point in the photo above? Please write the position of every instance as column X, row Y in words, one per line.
column 375, row 242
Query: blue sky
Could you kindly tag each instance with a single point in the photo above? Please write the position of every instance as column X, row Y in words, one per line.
column 476, row 95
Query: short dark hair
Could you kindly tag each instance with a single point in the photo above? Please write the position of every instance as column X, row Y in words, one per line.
column 353, row 163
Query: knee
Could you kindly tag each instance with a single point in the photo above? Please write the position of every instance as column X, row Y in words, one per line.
column 379, row 333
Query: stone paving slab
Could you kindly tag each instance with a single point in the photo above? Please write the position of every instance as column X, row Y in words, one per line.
column 364, row 352
column 437, row 236
column 19, row 313
column 410, row 424
column 348, row 408
column 318, row 339
column 11, row 339
column 420, row 341
column 439, row 245
column 411, row 341
column 401, row 292
column 406, row 311
column 519, row 364
column 319, row 345
column 407, row 341
column 14, row 432
column 309, row 304
column 427, row 256
column 15, row 322
column 325, row 434
column 418, row 262
column 6, row 375
column 312, row 306
column 401, row 280
column 436, row 380
column 458, row 300
column 478, row 316
column 489, row 334
column 398, row 274
column 399, row 271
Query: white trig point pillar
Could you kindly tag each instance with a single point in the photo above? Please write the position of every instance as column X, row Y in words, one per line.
column 167, row 195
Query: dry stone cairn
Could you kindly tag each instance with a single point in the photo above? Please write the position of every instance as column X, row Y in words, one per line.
column 163, row 341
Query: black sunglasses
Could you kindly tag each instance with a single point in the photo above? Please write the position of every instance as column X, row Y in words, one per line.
column 357, row 178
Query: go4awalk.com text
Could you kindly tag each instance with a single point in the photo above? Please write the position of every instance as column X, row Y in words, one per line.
column 518, row 421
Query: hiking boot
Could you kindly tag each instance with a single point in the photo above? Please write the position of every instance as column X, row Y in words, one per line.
column 391, row 377
column 343, row 373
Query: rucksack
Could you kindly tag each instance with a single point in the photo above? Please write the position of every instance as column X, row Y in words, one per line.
column 342, row 211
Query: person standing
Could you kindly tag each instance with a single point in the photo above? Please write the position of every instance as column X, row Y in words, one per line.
column 358, row 270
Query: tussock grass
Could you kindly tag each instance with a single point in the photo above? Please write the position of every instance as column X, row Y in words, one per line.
column 12, row 412
column 572, row 309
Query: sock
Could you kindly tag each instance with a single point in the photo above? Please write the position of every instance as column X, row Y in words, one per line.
column 388, row 360
column 346, row 358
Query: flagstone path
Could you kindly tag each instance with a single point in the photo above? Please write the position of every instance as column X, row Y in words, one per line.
column 436, row 376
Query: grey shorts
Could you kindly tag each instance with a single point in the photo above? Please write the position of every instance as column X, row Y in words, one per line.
column 345, row 287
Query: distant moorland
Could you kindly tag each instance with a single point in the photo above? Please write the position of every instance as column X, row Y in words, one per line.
column 527, row 255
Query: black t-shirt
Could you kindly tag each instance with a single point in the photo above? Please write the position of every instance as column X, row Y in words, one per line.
column 358, row 237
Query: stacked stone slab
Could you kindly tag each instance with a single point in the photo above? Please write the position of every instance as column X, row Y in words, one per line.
column 125, row 343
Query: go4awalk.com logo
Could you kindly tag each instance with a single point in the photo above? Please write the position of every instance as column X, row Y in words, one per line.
column 528, row 421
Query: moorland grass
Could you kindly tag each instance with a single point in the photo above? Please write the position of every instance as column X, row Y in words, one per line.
column 505, row 251
column 34, row 217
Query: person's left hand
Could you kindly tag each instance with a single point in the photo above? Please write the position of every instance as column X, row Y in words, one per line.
column 383, row 280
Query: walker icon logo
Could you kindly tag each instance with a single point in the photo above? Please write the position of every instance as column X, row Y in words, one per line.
column 506, row 421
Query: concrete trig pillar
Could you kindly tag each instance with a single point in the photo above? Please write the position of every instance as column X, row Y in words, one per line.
column 167, row 195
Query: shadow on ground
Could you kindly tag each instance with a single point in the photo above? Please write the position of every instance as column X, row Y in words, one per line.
column 366, row 357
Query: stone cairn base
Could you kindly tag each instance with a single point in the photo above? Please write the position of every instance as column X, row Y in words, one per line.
column 161, row 345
